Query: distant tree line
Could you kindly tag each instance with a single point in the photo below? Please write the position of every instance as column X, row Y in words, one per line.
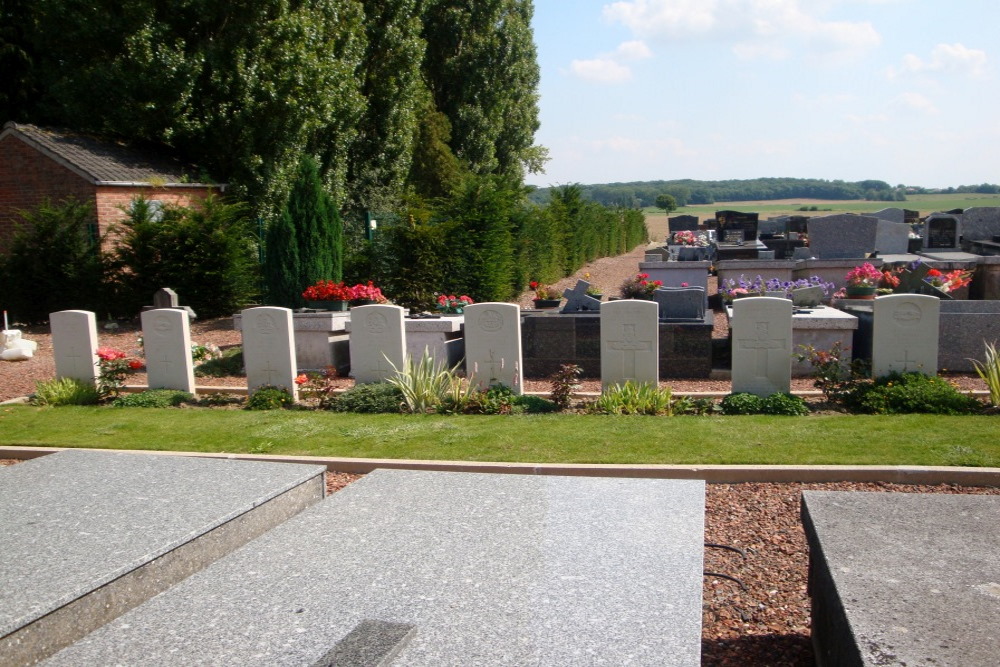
column 691, row 192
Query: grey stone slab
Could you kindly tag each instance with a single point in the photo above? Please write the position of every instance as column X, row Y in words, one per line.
column 681, row 303
column 903, row 578
column 488, row 569
column 890, row 214
column 843, row 236
column 981, row 223
column 892, row 238
column 89, row 535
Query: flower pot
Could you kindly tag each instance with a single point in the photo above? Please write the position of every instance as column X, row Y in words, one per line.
column 457, row 310
column 327, row 305
column 547, row 303
column 860, row 292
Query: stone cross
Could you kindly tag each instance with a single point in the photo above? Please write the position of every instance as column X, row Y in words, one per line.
column 578, row 301
column 763, row 343
column 630, row 345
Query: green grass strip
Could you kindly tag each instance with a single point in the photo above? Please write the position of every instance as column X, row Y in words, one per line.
column 814, row 440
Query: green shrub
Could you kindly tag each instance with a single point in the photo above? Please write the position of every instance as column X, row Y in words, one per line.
column 269, row 398
column 901, row 393
column 741, row 404
column 54, row 263
column 535, row 404
column 686, row 405
column 784, row 404
column 228, row 365
column 427, row 384
column 989, row 371
column 65, row 391
column 373, row 398
column 153, row 398
column 633, row 399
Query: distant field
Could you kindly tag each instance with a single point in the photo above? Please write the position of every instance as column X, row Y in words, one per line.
column 926, row 204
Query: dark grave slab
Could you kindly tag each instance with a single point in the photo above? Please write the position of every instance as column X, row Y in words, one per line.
column 903, row 578
column 942, row 232
column 737, row 227
column 682, row 223
column 551, row 340
column 843, row 236
column 484, row 570
column 89, row 535
column 681, row 303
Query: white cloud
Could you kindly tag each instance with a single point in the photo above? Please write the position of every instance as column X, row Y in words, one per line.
column 918, row 102
column 759, row 28
column 601, row 70
column 607, row 67
column 945, row 58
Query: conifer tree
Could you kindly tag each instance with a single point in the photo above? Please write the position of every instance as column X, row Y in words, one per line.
column 281, row 263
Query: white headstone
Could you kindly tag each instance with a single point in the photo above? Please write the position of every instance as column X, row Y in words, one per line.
column 269, row 348
column 74, row 344
column 762, row 345
column 166, row 340
column 378, row 342
column 630, row 342
column 493, row 345
column 905, row 334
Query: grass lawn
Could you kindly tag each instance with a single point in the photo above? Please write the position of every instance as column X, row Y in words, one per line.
column 819, row 439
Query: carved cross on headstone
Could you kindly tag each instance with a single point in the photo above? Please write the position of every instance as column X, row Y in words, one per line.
column 165, row 362
column 763, row 343
column 496, row 366
column 906, row 361
column 382, row 368
column 629, row 345
column 578, row 301
column 270, row 373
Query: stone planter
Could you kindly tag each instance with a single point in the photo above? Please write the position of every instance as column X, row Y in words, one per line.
column 542, row 304
column 859, row 292
column 337, row 306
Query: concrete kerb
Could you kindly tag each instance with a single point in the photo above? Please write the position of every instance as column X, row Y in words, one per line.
column 713, row 474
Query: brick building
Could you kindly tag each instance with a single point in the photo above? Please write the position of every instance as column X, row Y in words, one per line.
column 40, row 163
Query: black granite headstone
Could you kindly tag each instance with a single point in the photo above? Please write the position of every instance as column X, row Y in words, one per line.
column 942, row 232
column 683, row 223
column 736, row 226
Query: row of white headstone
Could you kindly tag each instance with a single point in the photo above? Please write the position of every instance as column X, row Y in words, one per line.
column 905, row 339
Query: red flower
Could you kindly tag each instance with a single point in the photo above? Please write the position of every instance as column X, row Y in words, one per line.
column 533, row 284
column 135, row 364
column 933, row 272
column 301, row 379
column 109, row 353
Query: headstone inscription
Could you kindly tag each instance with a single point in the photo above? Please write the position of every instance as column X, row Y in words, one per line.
column 682, row 223
column 905, row 334
column 578, row 301
column 493, row 345
column 681, row 303
column 942, row 232
column 74, row 344
column 269, row 348
column 762, row 345
column 166, row 337
column 377, row 342
column 842, row 236
column 629, row 342
column 736, row 227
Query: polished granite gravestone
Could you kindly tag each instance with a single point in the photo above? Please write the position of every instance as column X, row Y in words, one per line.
column 903, row 578
column 89, row 535
column 443, row 569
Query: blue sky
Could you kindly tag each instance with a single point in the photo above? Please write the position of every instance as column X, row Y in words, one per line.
column 905, row 91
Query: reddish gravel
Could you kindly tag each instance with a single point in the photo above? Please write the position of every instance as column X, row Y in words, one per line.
column 766, row 625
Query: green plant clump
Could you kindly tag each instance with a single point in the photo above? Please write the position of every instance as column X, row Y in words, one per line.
column 65, row 391
column 774, row 404
column 501, row 400
column 633, row 399
column 372, row 398
column 989, row 371
column 427, row 384
column 269, row 398
column 153, row 398
column 228, row 365
column 901, row 393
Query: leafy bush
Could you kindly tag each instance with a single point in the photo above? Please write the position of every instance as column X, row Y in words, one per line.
column 784, row 404
column 741, row 404
column 685, row 405
column 153, row 398
column 564, row 381
column 501, row 400
column 53, row 263
column 269, row 398
column 832, row 374
column 65, row 391
column 989, row 371
column 901, row 393
column 633, row 399
column 427, row 384
column 228, row 365
column 373, row 398
column 207, row 254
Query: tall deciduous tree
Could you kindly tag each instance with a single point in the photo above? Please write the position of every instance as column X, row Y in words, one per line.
column 482, row 72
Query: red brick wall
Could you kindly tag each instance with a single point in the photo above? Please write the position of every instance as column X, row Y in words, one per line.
column 27, row 178
column 113, row 201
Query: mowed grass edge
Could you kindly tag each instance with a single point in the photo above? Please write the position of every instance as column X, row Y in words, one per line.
column 815, row 440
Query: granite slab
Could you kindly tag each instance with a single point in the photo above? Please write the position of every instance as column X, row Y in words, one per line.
column 485, row 569
column 903, row 578
column 88, row 535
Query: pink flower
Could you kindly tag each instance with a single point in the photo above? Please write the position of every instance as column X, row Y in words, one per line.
column 301, row 379
column 109, row 353
column 684, row 285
